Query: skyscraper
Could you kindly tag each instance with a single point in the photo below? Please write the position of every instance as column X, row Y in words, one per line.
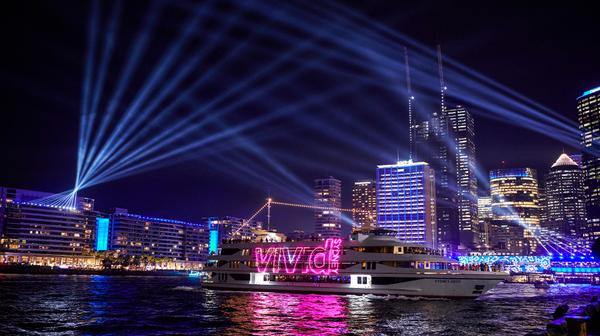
column 484, row 216
column 565, row 199
column 364, row 205
column 433, row 146
column 515, row 210
column 406, row 201
column 463, row 127
column 328, row 193
column 432, row 141
column 588, row 108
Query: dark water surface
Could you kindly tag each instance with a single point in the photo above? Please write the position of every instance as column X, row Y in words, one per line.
column 117, row 305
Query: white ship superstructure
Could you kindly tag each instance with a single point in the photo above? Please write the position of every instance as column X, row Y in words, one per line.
column 365, row 264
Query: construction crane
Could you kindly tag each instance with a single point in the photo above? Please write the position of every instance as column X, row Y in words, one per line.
column 270, row 202
column 411, row 126
column 443, row 87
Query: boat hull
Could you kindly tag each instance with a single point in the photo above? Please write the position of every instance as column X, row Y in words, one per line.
column 432, row 287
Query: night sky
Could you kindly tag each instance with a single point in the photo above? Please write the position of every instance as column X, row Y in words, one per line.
column 548, row 53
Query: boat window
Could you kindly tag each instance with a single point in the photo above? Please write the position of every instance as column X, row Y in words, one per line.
column 244, row 276
column 359, row 279
column 229, row 251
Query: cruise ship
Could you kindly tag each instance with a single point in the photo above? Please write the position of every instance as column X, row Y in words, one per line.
column 364, row 264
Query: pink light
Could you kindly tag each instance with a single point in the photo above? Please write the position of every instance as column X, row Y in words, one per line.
column 263, row 260
column 320, row 260
column 291, row 262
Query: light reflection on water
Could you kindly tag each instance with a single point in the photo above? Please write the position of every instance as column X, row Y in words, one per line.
column 92, row 305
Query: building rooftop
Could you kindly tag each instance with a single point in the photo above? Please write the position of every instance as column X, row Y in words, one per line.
column 589, row 92
column 564, row 160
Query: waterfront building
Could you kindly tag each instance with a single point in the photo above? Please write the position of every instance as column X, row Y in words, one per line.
column 566, row 200
column 515, row 210
column 328, row 194
column 588, row 110
column 181, row 244
column 484, row 216
column 34, row 232
column 364, row 205
column 230, row 227
column 406, row 201
column 463, row 128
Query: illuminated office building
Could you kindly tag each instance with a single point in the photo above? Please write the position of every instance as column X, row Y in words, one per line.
column 463, row 129
column 328, row 193
column 588, row 110
column 364, row 205
column 406, row 201
column 565, row 206
column 36, row 233
column 174, row 240
column 484, row 216
column 515, row 210
column 432, row 144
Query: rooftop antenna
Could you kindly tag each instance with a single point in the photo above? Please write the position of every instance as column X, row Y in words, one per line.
column 269, row 200
column 410, row 99
column 443, row 87
column 397, row 154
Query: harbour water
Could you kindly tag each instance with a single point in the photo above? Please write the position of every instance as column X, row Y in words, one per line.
column 121, row 305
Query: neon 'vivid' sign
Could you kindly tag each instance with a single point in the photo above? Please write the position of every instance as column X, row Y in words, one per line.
column 319, row 260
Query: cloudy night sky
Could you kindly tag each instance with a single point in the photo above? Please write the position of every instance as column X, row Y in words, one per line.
column 549, row 55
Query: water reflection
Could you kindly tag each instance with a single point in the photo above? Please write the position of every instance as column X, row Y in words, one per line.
column 298, row 314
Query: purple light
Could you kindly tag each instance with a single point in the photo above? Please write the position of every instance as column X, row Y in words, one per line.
column 321, row 260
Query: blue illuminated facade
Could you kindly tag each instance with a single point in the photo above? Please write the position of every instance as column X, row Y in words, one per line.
column 406, row 201
column 517, row 264
column 102, row 228
column 513, row 172
column 213, row 238
column 589, row 92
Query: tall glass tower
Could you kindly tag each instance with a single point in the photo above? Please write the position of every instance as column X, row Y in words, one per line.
column 565, row 200
column 406, row 201
column 364, row 205
column 463, row 126
column 515, row 210
column 588, row 110
column 328, row 194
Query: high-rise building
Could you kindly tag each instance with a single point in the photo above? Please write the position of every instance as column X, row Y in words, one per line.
column 406, row 201
column 515, row 210
column 588, row 110
column 463, row 127
column 177, row 241
column 328, row 194
column 34, row 232
column 484, row 216
column 433, row 145
column 432, row 141
column 364, row 205
column 565, row 200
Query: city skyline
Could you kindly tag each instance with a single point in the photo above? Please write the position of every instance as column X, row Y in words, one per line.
column 172, row 183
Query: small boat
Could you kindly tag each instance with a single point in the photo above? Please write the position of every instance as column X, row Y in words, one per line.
column 541, row 285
